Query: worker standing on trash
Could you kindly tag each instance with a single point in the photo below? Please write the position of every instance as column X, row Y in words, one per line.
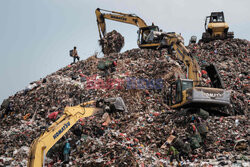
column 174, row 154
column 66, row 151
column 73, row 53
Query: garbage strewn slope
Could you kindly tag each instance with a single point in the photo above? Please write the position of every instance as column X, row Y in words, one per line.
column 135, row 137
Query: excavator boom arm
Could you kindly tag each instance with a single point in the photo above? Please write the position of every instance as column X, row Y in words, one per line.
column 41, row 145
column 116, row 16
column 184, row 54
column 191, row 64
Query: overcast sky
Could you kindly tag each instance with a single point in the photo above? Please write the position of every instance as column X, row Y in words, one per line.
column 36, row 35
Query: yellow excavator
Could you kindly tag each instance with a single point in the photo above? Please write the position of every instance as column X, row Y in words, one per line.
column 188, row 93
column 217, row 28
column 148, row 36
column 71, row 115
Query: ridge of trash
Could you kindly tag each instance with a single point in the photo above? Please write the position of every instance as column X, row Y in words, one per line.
column 135, row 137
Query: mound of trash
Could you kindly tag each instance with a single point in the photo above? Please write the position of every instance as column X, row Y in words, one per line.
column 136, row 136
column 28, row 111
column 112, row 42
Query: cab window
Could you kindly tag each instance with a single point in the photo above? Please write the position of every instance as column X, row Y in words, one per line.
column 187, row 85
column 178, row 91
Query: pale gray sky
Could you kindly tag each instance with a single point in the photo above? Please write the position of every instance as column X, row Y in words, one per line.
column 36, row 35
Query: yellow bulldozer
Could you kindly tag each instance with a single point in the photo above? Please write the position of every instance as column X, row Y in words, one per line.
column 216, row 28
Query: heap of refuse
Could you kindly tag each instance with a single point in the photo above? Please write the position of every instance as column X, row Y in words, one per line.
column 231, row 57
column 112, row 42
column 135, row 137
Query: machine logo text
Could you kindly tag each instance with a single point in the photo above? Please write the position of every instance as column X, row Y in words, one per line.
column 65, row 126
column 120, row 18
column 213, row 95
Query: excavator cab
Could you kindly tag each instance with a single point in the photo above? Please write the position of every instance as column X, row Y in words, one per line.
column 216, row 27
column 216, row 17
column 176, row 90
column 146, row 36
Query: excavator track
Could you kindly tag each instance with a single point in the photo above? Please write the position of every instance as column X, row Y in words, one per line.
column 230, row 35
column 206, row 37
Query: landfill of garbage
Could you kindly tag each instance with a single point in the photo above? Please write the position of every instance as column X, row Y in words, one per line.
column 138, row 135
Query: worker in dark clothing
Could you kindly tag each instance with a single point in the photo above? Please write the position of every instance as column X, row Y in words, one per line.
column 113, row 66
column 110, row 67
column 77, row 130
column 74, row 54
column 203, row 130
column 174, row 154
column 6, row 108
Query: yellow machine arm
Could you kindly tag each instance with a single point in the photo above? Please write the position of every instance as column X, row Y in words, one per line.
column 116, row 16
column 188, row 93
column 41, row 145
column 176, row 40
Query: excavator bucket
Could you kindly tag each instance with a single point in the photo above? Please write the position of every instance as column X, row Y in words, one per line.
column 112, row 104
column 214, row 76
column 118, row 103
